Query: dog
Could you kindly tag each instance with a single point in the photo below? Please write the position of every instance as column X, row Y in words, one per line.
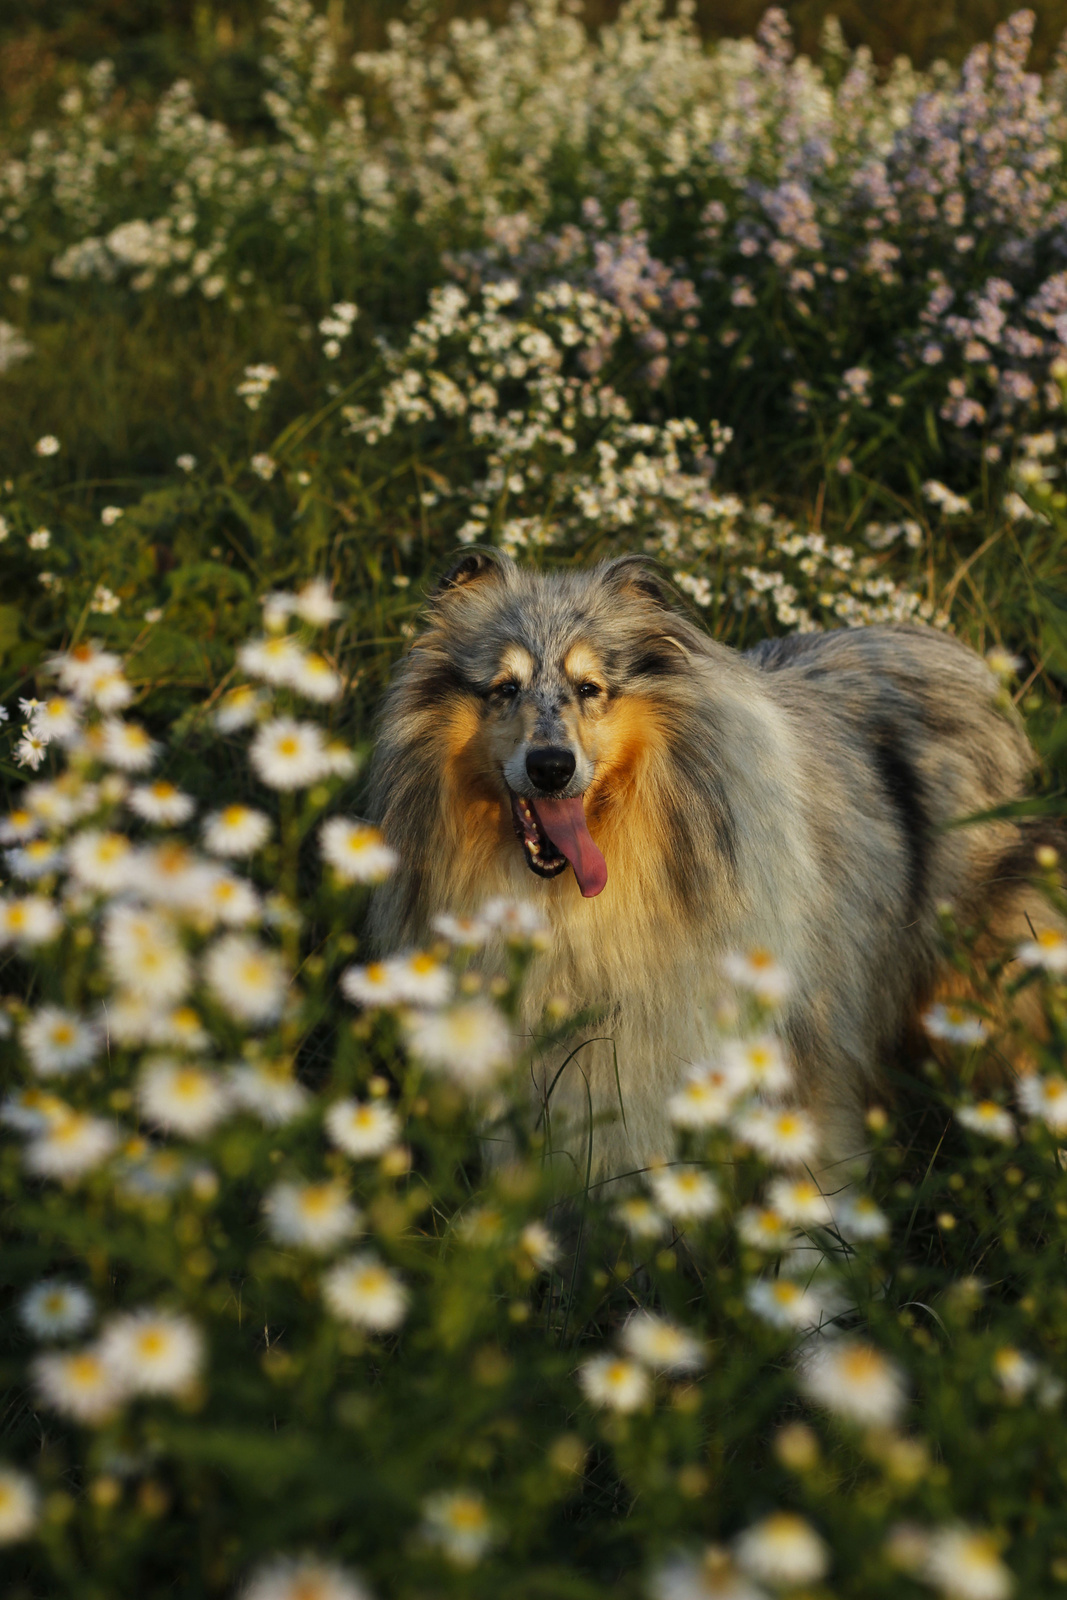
column 573, row 737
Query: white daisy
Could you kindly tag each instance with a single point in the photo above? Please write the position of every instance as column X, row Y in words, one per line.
column 421, row 979
column 30, row 921
column 181, row 1098
column 315, row 679
column 161, row 802
column 55, row 1310
column 540, row 1244
column 18, row 826
column 289, row 755
column 615, row 1382
column 239, row 708
column 758, row 1064
column 762, row 1228
column 468, row 932
column 230, row 900
column 800, row 1201
column 78, row 1384
column 707, row 1097
column 126, row 745
column 1048, row 950
column 457, row 1523
column 58, row 1041
column 341, row 762
column 269, row 1092
column 315, row 605
column 360, row 1290
column 101, row 861
column 760, row 973
column 145, row 1173
column 145, row 956
column 357, row 853
column 661, row 1344
column 248, row 978
column 32, row 1110
column 107, row 689
column 855, row 1381
column 988, row 1118
column 236, row 831
column 787, row 1137
column 153, row 1352
column 785, row 1303
column 31, row 750
column 640, row 1218
column 857, row 1217
column 47, row 445
column 520, row 921
column 304, row 1579
column 59, row 804
column 40, row 858
column 362, row 1128
column 133, row 1019
column 1044, row 1096
column 954, row 1023
column 181, row 1029
column 56, row 718
column 469, row 1042
column 71, row 1146
column 964, row 1564
column 19, row 1505
column 275, row 660
column 685, row 1193
column 1016, row 1372
column 783, row 1550
column 316, row 1216
column 172, row 875
column 376, row 984
column 712, row 1575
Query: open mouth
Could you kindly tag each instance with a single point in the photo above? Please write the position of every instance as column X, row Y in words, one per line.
column 541, row 854
column 553, row 835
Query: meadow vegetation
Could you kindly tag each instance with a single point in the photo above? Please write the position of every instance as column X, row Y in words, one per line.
column 795, row 328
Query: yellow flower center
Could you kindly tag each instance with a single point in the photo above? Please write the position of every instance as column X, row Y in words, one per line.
column 189, row 1084
column 288, row 746
column 233, row 816
column 467, row 1516
column 151, row 1343
column 862, row 1365
column 318, row 1199
column 63, row 1033
column 85, row 1371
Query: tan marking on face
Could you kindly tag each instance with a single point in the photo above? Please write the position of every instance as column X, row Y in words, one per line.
column 517, row 664
column 629, row 742
column 473, row 801
column 583, row 665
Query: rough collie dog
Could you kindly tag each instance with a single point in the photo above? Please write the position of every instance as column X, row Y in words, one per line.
column 573, row 738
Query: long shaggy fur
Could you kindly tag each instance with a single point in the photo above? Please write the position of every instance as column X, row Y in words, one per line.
column 794, row 798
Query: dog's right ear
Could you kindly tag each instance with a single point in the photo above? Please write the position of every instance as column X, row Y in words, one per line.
column 476, row 564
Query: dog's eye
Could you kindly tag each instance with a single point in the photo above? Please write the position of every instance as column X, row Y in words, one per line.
column 507, row 690
column 588, row 691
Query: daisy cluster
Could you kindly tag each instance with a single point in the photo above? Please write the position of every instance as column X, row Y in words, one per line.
column 521, row 368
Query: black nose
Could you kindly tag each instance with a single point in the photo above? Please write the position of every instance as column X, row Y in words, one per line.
column 550, row 767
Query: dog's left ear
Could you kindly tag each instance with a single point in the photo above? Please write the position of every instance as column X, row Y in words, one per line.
column 641, row 575
column 476, row 564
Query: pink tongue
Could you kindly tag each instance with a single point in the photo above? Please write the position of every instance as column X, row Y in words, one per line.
column 564, row 822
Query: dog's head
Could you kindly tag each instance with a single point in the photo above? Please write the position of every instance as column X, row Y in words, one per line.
column 544, row 696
